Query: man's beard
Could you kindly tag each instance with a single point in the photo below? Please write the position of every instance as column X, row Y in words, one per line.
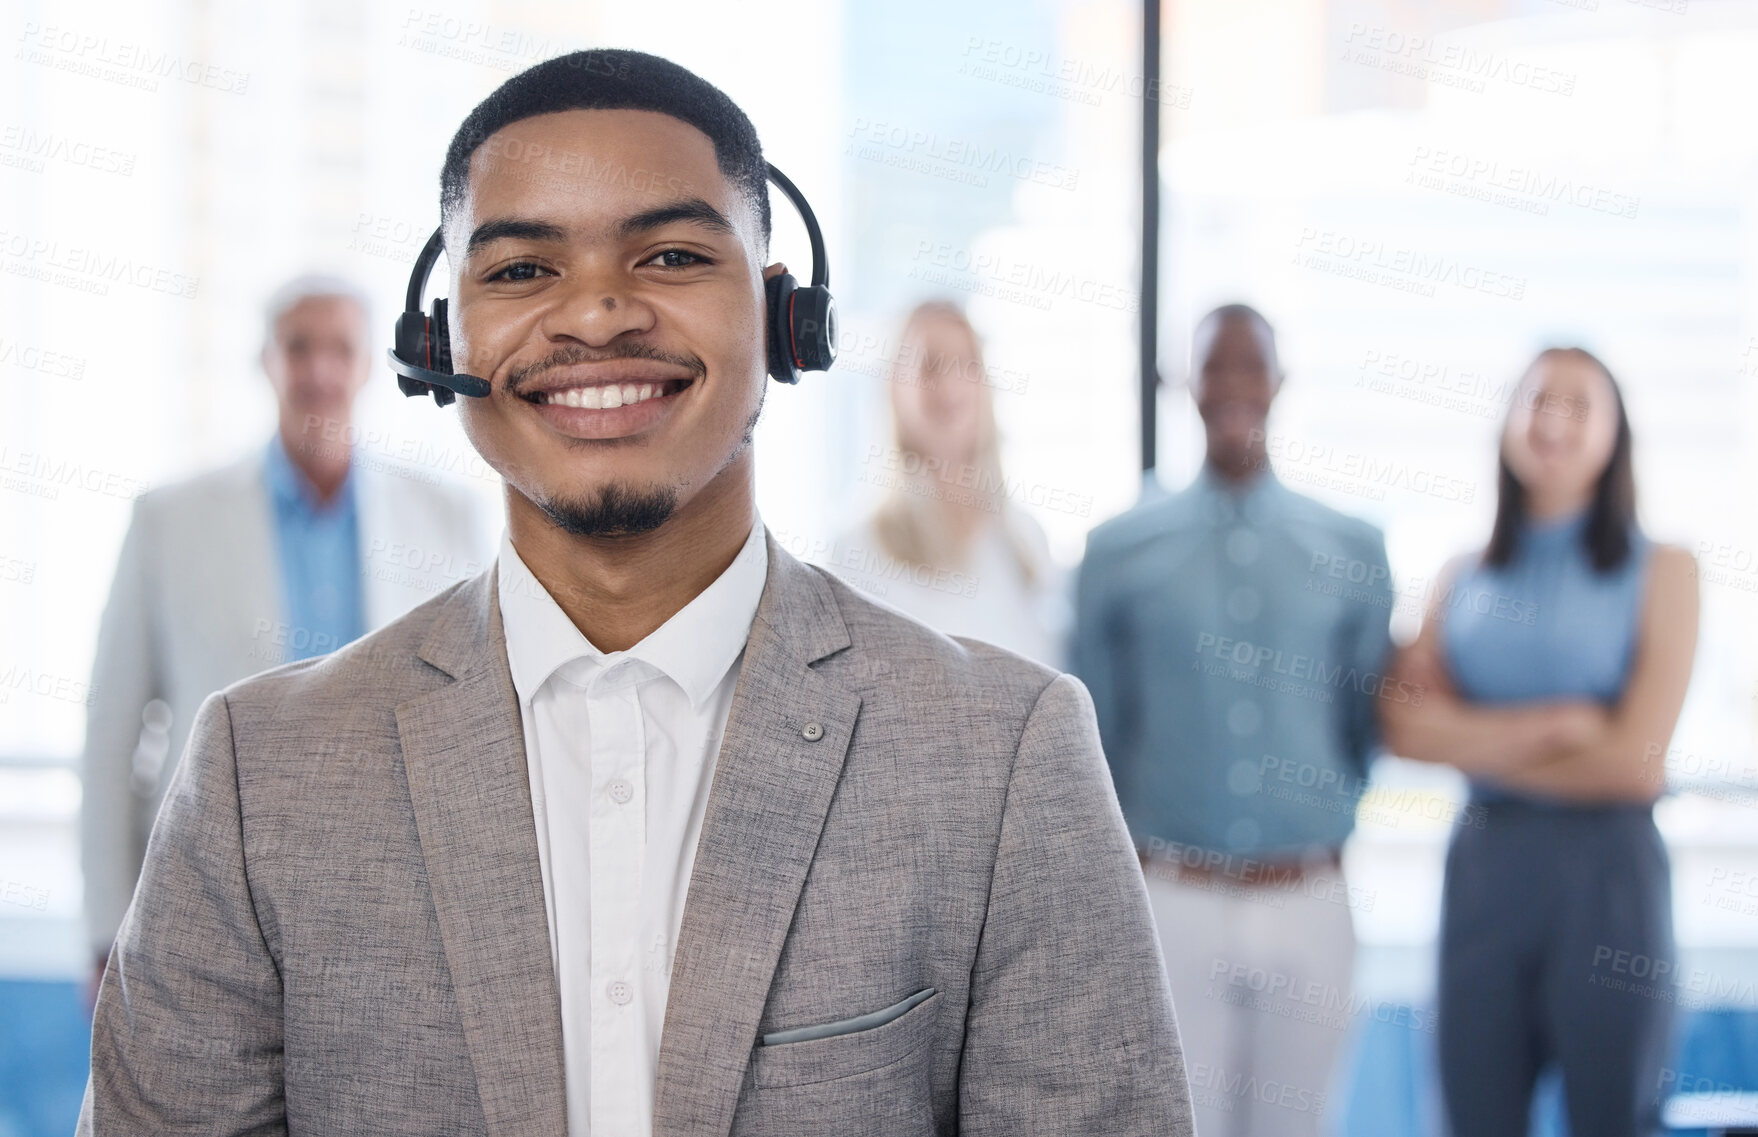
column 622, row 511
column 617, row 511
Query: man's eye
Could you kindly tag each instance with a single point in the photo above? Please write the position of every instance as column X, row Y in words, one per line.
column 678, row 258
column 519, row 270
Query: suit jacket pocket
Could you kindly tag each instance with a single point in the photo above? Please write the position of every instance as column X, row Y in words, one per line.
column 836, row 1052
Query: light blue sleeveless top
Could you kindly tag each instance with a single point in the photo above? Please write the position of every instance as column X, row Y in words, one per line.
column 1544, row 626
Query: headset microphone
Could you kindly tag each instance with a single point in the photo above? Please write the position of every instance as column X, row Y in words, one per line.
column 800, row 324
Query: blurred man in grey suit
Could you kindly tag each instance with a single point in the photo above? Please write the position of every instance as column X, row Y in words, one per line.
column 650, row 827
column 296, row 549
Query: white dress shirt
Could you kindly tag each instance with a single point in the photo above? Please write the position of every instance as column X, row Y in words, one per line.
column 621, row 748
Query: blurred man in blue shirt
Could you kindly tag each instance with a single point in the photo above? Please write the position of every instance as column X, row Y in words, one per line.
column 1234, row 637
column 301, row 546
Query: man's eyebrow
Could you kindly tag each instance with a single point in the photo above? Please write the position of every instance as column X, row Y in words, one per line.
column 513, row 228
column 693, row 210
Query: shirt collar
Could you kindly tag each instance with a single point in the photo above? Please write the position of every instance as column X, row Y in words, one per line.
column 695, row 648
column 291, row 489
column 1224, row 502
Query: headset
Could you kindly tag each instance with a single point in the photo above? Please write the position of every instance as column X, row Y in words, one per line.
column 800, row 333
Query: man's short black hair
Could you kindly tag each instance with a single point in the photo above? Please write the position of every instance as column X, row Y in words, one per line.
column 614, row 79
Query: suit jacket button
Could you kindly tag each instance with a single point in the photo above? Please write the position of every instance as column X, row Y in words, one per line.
column 811, row 732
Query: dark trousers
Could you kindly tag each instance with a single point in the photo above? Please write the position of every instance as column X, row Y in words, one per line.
column 1556, row 946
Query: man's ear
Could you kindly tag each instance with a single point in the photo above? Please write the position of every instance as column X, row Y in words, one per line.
column 774, row 270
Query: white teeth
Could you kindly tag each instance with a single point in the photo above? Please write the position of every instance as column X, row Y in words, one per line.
column 606, row 396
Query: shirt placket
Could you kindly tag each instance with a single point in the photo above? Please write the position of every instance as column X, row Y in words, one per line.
column 618, row 838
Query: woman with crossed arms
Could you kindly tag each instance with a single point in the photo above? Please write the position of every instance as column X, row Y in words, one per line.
column 1554, row 664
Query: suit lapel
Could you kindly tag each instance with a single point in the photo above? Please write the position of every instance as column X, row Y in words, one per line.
column 772, row 787
column 378, row 589
column 244, row 592
column 464, row 750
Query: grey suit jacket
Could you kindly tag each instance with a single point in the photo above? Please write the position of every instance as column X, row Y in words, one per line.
column 195, row 605
column 341, row 929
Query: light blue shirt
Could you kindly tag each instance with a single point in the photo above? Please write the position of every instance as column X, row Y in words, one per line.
column 1545, row 625
column 1234, row 644
column 318, row 554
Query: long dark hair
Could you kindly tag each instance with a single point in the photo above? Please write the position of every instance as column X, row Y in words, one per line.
column 1612, row 515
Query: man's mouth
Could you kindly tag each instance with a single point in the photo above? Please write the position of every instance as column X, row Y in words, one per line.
column 606, row 396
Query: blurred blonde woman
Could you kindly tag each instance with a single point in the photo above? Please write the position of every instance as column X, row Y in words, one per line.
column 947, row 545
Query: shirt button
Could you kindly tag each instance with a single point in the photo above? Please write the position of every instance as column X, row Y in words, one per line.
column 1244, row 717
column 620, row 791
column 1244, row 778
column 812, row 732
column 619, row 991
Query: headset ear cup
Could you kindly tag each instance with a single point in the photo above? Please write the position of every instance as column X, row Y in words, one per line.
column 779, row 291
column 439, row 331
column 813, row 317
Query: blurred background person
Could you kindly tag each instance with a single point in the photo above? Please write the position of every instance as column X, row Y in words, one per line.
column 947, row 545
column 289, row 553
column 1233, row 636
column 1555, row 662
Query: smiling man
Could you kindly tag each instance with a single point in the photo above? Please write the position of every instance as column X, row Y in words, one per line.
column 649, row 828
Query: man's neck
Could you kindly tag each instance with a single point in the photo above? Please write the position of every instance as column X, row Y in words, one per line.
column 323, row 462
column 619, row 590
column 1237, row 475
